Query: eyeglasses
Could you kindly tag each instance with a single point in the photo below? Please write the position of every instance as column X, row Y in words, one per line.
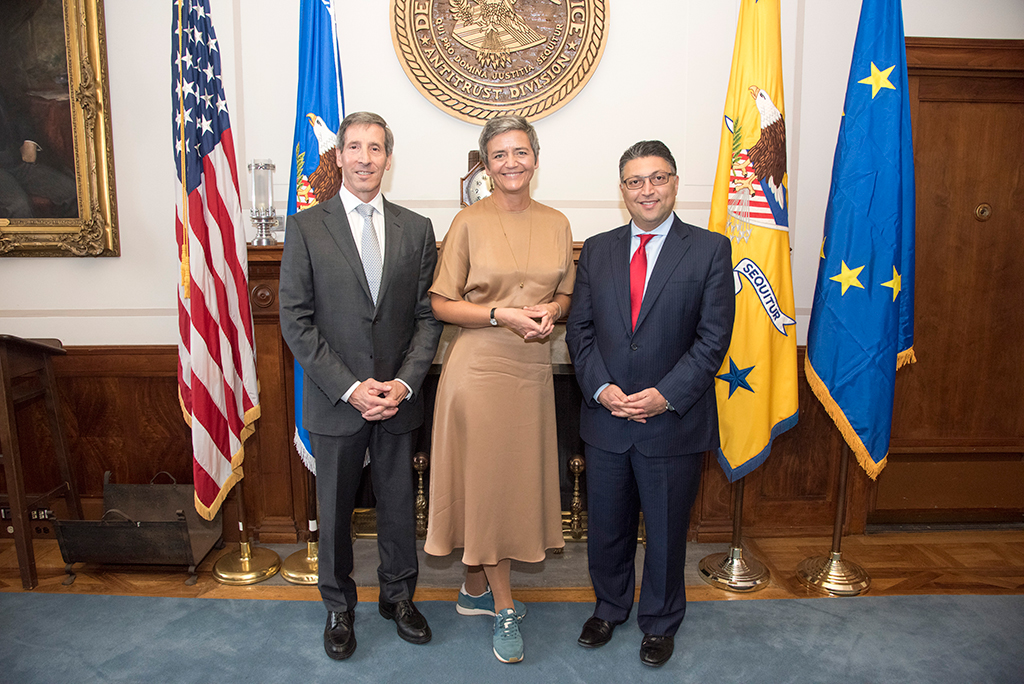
column 656, row 178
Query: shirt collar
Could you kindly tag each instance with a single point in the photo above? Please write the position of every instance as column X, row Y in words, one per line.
column 351, row 201
column 661, row 230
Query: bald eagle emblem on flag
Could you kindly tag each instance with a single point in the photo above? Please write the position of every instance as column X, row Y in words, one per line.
column 757, row 179
column 325, row 180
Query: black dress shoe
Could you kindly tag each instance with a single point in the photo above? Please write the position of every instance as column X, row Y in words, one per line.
column 412, row 626
column 655, row 650
column 596, row 632
column 339, row 634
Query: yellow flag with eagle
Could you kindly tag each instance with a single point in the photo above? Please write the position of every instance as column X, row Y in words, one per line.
column 756, row 386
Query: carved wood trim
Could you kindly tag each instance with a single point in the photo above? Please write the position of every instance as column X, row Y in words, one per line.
column 964, row 54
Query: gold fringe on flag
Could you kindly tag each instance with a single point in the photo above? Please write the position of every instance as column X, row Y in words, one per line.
column 839, row 418
column 905, row 357
column 186, row 271
column 208, row 512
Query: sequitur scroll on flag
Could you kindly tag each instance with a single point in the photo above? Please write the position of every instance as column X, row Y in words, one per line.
column 315, row 176
column 862, row 320
column 216, row 357
column 757, row 384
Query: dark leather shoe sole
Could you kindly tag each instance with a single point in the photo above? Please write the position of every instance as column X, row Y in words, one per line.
column 414, row 635
column 596, row 632
column 656, row 650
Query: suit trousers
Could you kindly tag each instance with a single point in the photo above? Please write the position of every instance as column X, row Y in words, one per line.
column 619, row 486
column 339, row 466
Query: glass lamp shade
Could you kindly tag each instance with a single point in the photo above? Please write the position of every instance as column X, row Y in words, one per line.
column 261, row 185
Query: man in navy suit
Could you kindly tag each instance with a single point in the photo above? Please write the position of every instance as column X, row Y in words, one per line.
column 650, row 324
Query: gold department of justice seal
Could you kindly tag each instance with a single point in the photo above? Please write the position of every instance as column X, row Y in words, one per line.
column 477, row 59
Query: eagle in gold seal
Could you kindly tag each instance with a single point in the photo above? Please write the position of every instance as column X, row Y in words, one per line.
column 493, row 29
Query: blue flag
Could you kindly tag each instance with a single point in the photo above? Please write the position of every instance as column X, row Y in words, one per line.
column 315, row 176
column 862, row 320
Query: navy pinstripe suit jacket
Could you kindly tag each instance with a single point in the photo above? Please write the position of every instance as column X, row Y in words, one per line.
column 681, row 337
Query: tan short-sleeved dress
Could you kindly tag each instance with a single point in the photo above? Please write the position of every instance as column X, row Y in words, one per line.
column 494, row 455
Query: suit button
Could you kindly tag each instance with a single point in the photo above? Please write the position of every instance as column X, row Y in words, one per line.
column 633, row 347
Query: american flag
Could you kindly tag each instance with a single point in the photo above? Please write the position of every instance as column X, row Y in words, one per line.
column 216, row 357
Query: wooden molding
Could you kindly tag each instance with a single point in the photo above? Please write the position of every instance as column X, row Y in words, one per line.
column 937, row 54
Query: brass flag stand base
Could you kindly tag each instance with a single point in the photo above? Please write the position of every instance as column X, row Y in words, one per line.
column 302, row 567
column 252, row 565
column 731, row 571
column 831, row 574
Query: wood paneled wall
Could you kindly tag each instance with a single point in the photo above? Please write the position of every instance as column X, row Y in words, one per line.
column 957, row 447
column 122, row 414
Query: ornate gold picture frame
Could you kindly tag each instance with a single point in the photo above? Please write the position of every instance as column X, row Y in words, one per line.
column 94, row 231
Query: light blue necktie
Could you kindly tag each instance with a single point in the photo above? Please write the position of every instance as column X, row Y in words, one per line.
column 372, row 261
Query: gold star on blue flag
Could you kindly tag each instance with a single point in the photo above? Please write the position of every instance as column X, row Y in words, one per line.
column 862, row 319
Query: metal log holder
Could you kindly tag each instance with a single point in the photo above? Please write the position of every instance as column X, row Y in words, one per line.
column 154, row 524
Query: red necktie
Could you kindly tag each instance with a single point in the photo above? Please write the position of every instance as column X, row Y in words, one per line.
column 637, row 277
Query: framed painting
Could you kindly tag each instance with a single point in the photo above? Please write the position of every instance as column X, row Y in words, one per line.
column 57, row 193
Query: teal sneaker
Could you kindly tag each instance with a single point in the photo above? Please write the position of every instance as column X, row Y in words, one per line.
column 484, row 605
column 508, row 642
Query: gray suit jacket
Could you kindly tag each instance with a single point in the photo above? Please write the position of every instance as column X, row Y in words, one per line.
column 331, row 325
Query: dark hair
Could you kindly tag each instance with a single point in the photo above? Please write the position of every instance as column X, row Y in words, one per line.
column 504, row 124
column 646, row 148
column 366, row 119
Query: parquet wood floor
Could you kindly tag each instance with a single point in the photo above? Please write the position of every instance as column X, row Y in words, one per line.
column 899, row 563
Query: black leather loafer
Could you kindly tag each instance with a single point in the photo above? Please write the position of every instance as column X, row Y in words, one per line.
column 412, row 626
column 655, row 650
column 596, row 632
column 339, row 635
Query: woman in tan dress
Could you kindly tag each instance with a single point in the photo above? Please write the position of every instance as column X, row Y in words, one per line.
column 505, row 276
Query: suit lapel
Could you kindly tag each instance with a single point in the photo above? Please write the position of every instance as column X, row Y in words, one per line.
column 336, row 222
column 393, row 232
column 677, row 243
column 620, row 274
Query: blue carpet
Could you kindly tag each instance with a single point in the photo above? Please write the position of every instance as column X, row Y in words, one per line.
column 58, row 638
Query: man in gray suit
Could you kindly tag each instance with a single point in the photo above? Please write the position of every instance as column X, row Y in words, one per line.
column 355, row 311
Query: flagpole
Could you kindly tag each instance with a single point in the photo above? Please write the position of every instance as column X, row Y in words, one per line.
column 831, row 574
column 253, row 564
column 303, row 567
column 732, row 571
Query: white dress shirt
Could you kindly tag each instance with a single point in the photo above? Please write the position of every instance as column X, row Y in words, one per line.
column 355, row 224
column 653, row 249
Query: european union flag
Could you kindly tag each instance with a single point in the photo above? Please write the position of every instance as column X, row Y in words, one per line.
column 862, row 320
column 315, row 176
